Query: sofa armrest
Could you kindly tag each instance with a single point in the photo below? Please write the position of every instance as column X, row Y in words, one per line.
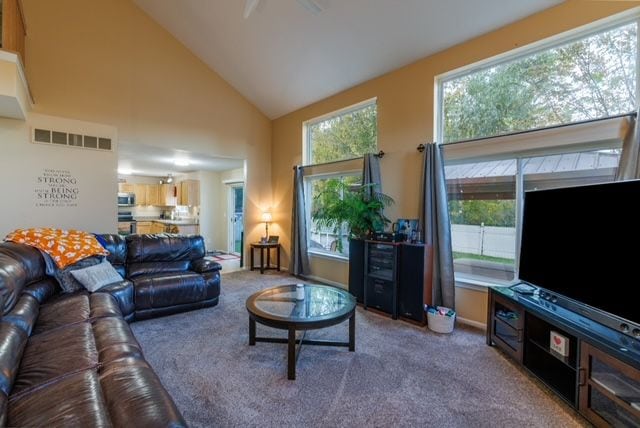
column 203, row 265
column 123, row 292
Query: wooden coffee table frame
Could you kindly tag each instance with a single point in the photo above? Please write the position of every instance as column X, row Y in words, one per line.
column 258, row 316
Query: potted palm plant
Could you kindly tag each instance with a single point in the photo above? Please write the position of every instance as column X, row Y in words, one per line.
column 355, row 207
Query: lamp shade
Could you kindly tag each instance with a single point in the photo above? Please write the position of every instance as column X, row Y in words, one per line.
column 266, row 216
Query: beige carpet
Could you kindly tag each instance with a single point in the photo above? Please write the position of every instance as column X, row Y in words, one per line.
column 400, row 374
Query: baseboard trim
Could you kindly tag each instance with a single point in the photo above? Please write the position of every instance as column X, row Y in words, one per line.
column 472, row 323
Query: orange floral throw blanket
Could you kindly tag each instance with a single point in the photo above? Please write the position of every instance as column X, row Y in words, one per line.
column 65, row 247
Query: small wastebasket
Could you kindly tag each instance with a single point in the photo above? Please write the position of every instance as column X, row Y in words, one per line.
column 440, row 319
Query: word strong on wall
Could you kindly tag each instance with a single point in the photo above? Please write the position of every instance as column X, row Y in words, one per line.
column 56, row 188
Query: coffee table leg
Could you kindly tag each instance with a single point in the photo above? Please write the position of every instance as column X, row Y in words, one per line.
column 291, row 354
column 352, row 332
column 252, row 332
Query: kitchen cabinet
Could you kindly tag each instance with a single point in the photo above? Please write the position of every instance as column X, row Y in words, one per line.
column 141, row 194
column 168, row 195
column 189, row 192
column 157, row 227
column 143, row 227
column 125, row 188
column 153, row 194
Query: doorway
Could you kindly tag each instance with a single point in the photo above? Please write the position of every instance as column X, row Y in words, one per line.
column 236, row 218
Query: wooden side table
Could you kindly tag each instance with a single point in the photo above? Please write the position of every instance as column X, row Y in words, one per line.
column 264, row 247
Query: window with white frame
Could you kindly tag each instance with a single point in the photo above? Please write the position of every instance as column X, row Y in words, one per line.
column 490, row 163
column 332, row 142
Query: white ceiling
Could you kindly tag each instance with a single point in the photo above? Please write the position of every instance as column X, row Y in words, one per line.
column 152, row 161
column 284, row 56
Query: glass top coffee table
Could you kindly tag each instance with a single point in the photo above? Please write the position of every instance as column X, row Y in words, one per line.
column 280, row 307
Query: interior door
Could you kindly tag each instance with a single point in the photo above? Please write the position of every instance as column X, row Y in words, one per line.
column 236, row 218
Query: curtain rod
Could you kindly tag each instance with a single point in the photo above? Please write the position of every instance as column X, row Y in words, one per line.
column 564, row 125
column 380, row 155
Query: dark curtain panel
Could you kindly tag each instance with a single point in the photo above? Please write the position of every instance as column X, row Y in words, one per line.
column 371, row 173
column 436, row 230
column 629, row 167
column 299, row 259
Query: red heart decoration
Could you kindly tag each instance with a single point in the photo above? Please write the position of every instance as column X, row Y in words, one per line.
column 557, row 340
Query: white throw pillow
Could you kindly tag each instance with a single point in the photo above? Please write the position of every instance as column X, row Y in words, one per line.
column 95, row 277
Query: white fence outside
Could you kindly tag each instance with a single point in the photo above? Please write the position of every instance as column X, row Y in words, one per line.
column 484, row 240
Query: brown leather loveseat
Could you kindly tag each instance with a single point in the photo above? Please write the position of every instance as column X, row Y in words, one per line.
column 71, row 359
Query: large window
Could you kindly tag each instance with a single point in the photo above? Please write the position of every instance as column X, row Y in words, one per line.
column 485, row 109
column 333, row 143
column 342, row 135
column 589, row 78
column 483, row 204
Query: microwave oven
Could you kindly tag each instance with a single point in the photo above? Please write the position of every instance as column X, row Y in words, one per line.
column 126, row 199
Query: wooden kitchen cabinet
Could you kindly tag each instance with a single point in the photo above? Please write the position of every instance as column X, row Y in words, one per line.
column 157, row 227
column 189, row 192
column 153, row 194
column 143, row 227
column 168, row 195
column 141, row 194
column 125, row 188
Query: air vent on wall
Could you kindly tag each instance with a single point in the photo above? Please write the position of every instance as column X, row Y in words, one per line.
column 46, row 136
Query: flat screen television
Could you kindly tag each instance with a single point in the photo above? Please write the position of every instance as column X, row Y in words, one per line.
column 584, row 243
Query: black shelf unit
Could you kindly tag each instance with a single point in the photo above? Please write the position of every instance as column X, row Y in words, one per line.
column 381, row 277
column 392, row 277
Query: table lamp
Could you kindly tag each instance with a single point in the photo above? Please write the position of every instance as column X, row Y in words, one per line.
column 266, row 217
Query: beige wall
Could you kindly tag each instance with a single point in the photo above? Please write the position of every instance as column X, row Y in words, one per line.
column 47, row 185
column 106, row 61
column 405, row 101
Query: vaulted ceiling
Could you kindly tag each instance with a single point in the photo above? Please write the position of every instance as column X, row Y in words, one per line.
column 285, row 54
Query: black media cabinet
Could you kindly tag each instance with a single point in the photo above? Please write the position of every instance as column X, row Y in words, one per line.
column 600, row 376
column 393, row 278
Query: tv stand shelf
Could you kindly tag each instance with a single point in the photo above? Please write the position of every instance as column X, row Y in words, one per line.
column 600, row 374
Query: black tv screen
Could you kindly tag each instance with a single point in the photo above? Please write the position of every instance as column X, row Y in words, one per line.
column 584, row 243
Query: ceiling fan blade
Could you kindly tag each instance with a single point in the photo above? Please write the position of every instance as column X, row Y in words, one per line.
column 311, row 5
column 249, row 7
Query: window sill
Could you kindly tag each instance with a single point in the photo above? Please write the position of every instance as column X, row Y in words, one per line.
column 329, row 256
column 477, row 285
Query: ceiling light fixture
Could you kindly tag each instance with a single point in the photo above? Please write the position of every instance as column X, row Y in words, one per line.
column 181, row 162
column 169, row 178
column 124, row 171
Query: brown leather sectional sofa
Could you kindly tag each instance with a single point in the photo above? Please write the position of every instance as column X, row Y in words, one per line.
column 71, row 359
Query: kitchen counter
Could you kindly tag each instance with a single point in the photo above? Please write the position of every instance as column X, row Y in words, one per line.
column 178, row 222
column 189, row 222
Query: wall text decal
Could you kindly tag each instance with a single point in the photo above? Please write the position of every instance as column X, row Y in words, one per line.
column 56, row 188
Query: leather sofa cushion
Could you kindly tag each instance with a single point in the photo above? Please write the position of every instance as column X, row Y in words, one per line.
column 123, row 293
column 12, row 343
column 136, row 398
column 42, row 290
column 117, row 247
column 24, row 314
column 55, row 354
column 156, row 291
column 29, row 257
column 76, row 400
column 12, row 281
column 152, row 268
column 114, row 340
column 164, row 248
column 103, row 305
column 65, row 310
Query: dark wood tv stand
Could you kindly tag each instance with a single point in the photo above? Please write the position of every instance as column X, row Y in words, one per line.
column 600, row 376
